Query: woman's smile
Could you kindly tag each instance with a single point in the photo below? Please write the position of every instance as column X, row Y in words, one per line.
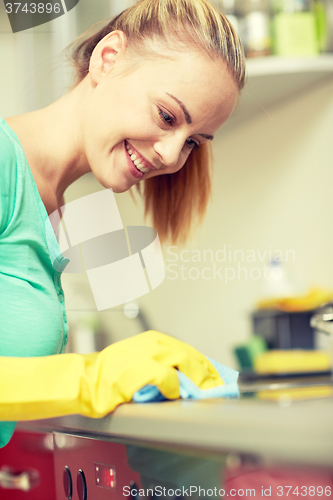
column 141, row 164
column 131, row 166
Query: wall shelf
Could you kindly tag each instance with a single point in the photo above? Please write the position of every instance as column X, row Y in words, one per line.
column 271, row 80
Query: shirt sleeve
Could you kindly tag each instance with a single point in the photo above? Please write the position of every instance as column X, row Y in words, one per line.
column 7, row 180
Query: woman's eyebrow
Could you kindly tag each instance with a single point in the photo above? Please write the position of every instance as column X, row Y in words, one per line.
column 206, row 136
column 188, row 116
column 186, row 113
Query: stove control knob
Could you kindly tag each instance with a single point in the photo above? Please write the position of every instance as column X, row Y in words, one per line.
column 68, row 485
column 81, row 485
column 134, row 491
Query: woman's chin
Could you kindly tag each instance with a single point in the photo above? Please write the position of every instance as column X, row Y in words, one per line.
column 117, row 188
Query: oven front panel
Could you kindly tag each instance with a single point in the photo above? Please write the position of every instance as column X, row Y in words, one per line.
column 89, row 469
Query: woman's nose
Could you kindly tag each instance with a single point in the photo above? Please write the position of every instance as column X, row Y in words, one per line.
column 169, row 150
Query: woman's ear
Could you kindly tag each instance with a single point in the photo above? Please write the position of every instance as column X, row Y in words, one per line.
column 106, row 55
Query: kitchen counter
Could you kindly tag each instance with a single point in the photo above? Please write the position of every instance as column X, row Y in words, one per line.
column 298, row 432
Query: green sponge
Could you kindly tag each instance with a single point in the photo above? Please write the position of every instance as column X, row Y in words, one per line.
column 247, row 353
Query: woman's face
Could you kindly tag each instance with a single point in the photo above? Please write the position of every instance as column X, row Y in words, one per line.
column 146, row 122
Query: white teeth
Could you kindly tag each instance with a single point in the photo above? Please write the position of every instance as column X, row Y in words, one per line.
column 136, row 162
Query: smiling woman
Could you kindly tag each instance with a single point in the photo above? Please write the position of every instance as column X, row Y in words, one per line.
column 189, row 48
column 153, row 86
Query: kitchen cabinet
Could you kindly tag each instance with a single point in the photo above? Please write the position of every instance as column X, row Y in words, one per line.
column 27, row 467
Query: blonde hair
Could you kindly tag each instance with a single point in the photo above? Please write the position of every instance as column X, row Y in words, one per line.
column 174, row 201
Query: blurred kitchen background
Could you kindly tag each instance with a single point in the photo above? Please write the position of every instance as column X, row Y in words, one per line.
column 272, row 205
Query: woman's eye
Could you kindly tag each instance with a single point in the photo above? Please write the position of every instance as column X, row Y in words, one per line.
column 169, row 120
column 191, row 144
column 166, row 118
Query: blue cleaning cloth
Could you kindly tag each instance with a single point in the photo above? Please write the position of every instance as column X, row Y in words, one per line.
column 188, row 389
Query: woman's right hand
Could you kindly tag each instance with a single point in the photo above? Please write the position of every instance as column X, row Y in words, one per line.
column 95, row 384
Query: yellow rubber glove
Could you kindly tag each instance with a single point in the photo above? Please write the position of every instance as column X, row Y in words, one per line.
column 94, row 384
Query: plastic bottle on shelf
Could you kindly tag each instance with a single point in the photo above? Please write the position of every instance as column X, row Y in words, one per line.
column 255, row 30
column 277, row 282
column 324, row 15
column 295, row 28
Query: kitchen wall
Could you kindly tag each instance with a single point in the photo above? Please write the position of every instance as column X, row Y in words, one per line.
column 272, row 192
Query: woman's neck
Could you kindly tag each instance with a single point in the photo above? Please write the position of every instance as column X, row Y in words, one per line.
column 51, row 140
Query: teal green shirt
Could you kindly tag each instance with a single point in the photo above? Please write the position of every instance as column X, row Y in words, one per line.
column 32, row 310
